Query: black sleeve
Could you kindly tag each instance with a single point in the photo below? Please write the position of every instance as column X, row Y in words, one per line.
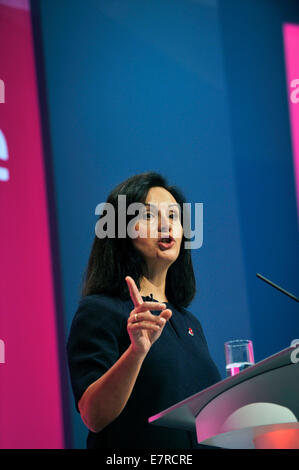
column 93, row 342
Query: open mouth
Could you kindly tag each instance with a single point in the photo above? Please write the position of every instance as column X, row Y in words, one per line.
column 166, row 242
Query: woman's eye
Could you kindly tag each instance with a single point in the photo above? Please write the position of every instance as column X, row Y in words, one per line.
column 148, row 215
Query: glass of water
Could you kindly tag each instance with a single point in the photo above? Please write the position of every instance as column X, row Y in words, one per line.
column 238, row 356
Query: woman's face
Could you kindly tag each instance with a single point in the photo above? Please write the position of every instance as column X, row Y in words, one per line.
column 160, row 220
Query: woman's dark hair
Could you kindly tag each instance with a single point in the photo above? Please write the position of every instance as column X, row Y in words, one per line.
column 112, row 259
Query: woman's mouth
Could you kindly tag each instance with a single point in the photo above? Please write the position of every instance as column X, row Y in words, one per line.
column 166, row 243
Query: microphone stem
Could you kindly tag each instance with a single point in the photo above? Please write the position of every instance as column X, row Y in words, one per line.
column 277, row 287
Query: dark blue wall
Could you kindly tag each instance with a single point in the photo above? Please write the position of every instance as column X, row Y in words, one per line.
column 252, row 40
column 196, row 91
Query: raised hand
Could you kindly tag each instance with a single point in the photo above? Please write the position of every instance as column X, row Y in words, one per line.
column 143, row 327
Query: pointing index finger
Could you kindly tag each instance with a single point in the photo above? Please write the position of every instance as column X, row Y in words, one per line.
column 134, row 292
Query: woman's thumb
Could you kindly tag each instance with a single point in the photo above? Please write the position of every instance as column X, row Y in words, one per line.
column 166, row 314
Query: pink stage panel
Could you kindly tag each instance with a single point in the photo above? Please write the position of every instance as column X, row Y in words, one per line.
column 291, row 46
column 30, row 394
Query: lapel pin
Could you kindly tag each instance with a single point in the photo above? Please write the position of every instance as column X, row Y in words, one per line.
column 190, row 331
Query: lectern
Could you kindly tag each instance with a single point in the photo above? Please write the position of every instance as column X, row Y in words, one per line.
column 257, row 408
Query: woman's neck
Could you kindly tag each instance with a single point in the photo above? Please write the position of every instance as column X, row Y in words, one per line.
column 154, row 287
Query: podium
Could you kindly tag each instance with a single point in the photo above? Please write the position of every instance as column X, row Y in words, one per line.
column 257, row 408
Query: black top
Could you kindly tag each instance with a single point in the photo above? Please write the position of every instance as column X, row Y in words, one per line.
column 177, row 365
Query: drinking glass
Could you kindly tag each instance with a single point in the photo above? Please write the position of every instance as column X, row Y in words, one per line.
column 238, row 355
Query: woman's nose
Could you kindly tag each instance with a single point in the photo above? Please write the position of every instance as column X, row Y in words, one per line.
column 164, row 223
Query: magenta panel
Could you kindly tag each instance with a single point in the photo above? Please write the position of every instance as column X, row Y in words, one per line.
column 30, row 390
column 291, row 47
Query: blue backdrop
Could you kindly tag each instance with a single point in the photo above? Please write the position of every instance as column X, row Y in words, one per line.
column 195, row 90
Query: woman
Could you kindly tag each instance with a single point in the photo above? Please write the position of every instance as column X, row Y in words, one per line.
column 133, row 349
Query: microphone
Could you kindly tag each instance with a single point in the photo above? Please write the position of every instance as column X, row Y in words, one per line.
column 277, row 287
